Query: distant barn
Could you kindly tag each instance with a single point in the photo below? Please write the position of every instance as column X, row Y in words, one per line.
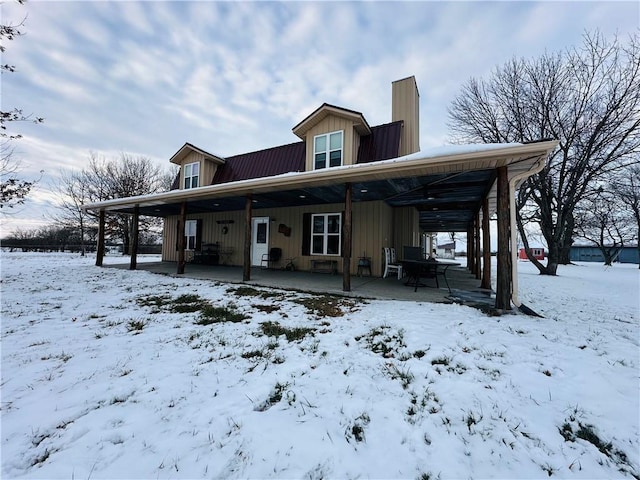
column 538, row 253
column 590, row 253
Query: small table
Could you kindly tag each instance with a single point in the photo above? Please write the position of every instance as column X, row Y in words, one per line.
column 364, row 265
column 416, row 269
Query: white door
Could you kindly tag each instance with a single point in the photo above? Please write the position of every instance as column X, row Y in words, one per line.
column 259, row 239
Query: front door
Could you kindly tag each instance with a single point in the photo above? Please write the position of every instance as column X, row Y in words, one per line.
column 259, row 239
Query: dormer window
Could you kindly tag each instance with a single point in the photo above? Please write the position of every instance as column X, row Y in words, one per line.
column 191, row 175
column 327, row 150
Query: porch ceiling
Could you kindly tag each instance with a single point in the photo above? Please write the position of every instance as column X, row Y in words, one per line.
column 446, row 202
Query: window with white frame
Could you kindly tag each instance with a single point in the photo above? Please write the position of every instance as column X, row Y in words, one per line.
column 190, row 233
column 327, row 150
column 326, row 229
column 191, row 175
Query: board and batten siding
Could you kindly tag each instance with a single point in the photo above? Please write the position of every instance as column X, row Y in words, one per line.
column 375, row 225
column 350, row 139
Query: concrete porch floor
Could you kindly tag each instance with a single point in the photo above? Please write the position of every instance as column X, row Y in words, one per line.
column 464, row 286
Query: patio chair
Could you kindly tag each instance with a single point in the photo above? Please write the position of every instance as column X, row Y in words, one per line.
column 391, row 262
column 268, row 259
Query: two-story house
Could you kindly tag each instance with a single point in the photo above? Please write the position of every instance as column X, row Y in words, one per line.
column 345, row 190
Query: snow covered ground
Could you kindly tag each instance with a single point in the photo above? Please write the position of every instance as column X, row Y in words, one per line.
column 108, row 373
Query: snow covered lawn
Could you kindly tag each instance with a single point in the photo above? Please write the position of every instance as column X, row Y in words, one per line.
column 108, row 373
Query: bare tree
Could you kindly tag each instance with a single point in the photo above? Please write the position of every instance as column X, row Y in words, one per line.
column 74, row 193
column 13, row 189
column 588, row 99
column 106, row 179
column 627, row 187
column 603, row 220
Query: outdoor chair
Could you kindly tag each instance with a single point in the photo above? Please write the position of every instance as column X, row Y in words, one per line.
column 391, row 262
column 268, row 259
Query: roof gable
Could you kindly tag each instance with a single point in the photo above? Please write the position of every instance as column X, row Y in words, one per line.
column 187, row 148
column 325, row 110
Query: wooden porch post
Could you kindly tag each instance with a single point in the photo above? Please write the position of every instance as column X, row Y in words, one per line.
column 181, row 239
column 246, row 271
column 470, row 249
column 134, row 240
column 100, row 247
column 486, row 247
column 346, row 247
column 503, row 278
column 476, row 224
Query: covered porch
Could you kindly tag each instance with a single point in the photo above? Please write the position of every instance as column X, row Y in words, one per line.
column 456, row 189
column 465, row 287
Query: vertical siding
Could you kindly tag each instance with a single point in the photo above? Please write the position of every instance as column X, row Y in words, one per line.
column 405, row 105
column 334, row 124
column 373, row 227
column 406, row 228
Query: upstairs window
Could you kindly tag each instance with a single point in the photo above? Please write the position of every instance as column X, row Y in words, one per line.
column 191, row 175
column 326, row 230
column 327, row 150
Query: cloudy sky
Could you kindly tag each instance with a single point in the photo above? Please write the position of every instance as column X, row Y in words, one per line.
column 233, row 77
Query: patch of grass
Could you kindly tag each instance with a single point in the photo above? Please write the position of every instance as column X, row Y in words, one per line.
column 186, row 303
column 156, row 301
column 328, row 305
column 266, row 308
column 356, row 430
column 210, row 314
column 135, row 325
column 441, row 361
column 472, row 419
column 245, row 291
column 274, row 329
column 587, row 433
column 419, row 353
column 381, row 340
column 275, row 396
column 253, row 354
column 405, row 376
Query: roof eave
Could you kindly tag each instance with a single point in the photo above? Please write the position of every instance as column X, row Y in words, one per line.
column 523, row 157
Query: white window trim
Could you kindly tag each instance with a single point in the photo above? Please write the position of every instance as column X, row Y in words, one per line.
column 190, row 177
column 190, row 226
column 329, row 150
column 326, row 234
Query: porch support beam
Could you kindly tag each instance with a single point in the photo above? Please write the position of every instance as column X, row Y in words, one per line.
column 346, row 247
column 246, row 261
column 134, row 238
column 100, row 247
column 486, row 247
column 476, row 236
column 503, row 278
column 471, row 264
column 181, row 227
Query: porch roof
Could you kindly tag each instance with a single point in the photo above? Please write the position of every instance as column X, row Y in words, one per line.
column 446, row 185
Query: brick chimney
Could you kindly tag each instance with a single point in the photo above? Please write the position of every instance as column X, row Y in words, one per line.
column 405, row 106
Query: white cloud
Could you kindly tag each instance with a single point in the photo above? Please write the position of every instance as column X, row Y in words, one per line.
column 237, row 76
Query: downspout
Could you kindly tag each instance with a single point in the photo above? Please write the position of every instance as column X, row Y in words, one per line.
column 514, row 238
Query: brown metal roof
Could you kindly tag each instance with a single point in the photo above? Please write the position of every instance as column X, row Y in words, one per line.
column 264, row 163
column 382, row 144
